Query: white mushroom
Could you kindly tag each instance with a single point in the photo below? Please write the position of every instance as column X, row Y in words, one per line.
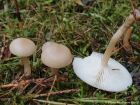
column 23, row 48
column 56, row 55
column 103, row 72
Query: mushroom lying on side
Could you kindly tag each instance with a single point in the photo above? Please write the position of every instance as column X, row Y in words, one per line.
column 103, row 72
column 56, row 56
column 23, row 48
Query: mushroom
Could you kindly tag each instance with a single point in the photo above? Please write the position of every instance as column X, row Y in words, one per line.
column 103, row 72
column 56, row 56
column 23, row 48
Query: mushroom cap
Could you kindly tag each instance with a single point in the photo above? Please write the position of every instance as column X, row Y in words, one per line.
column 22, row 47
column 56, row 55
column 115, row 77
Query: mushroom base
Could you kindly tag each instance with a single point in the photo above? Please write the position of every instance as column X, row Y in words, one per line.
column 114, row 78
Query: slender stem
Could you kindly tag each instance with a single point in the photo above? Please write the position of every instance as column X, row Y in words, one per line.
column 54, row 71
column 27, row 68
column 128, row 22
column 126, row 38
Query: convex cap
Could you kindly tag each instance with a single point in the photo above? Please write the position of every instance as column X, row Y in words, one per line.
column 22, row 47
column 56, row 55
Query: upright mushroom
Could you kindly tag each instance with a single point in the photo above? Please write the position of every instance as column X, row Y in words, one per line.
column 56, row 56
column 23, row 48
column 103, row 72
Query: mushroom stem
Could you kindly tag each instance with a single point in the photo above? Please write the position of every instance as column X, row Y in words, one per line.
column 55, row 72
column 27, row 68
column 126, row 38
column 128, row 22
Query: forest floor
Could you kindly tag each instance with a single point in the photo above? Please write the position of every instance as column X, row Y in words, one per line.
column 83, row 30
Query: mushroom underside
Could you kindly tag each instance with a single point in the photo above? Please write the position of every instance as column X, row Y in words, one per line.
column 115, row 77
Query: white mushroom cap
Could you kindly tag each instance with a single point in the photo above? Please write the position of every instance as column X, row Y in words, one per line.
column 56, row 55
column 116, row 78
column 22, row 47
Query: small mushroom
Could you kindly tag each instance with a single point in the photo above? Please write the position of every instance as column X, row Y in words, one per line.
column 23, row 48
column 56, row 56
column 103, row 72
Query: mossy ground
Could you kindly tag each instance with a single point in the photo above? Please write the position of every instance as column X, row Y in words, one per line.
column 83, row 30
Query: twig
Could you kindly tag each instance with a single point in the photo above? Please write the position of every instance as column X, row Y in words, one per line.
column 100, row 101
column 22, row 88
column 55, row 78
column 40, row 81
column 55, row 93
column 52, row 102
column 32, row 96
column 33, row 89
